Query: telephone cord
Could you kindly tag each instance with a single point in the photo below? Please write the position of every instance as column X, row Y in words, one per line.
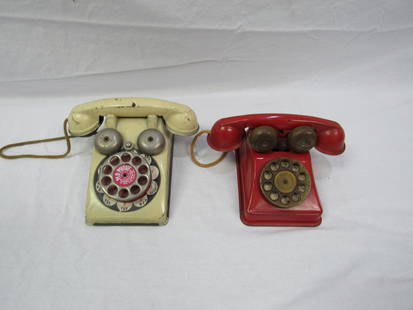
column 193, row 156
column 65, row 137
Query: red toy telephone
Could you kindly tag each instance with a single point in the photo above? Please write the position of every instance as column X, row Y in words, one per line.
column 275, row 179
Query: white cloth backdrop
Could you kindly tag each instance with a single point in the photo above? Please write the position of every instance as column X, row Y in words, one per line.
column 350, row 61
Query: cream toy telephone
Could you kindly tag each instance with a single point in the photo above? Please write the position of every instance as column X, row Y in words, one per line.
column 130, row 172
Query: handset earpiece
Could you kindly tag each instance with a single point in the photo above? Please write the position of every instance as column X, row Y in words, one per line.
column 225, row 138
column 222, row 138
column 331, row 141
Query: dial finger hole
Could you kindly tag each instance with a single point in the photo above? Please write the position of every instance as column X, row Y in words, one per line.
column 285, row 164
column 143, row 169
column 114, row 160
column 285, row 200
column 301, row 188
column 267, row 175
column 274, row 167
column 295, row 197
column 301, row 177
column 123, row 193
column 274, row 196
column 135, row 190
column 125, row 157
column 107, row 169
column 136, row 160
column 112, row 190
column 105, row 181
column 267, row 186
column 143, row 180
column 295, row 167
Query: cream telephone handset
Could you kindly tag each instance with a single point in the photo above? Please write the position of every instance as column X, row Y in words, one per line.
column 130, row 172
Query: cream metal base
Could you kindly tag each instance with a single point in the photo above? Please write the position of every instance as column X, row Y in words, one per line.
column 156, row 211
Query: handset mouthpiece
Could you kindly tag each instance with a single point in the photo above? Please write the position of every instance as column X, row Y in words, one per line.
column 82, row 124
column 182, row 123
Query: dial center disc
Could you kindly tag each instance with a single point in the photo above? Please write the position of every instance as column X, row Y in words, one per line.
column 124, row 175
column 285, row 181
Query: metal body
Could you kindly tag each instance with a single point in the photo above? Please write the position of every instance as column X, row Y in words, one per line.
column 130, row 185
column 277, row 188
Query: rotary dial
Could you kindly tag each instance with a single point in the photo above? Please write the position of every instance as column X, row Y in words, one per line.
column 285, row 182
column 127, row 180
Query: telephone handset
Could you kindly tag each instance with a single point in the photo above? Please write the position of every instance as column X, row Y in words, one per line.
column 130, row 172
column 275, row 179
column 85, row 118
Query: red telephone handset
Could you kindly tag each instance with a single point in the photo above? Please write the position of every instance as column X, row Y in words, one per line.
column 275, row 178
column 227, row 134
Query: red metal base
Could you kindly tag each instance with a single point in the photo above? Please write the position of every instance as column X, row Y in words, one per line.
column 254, row 208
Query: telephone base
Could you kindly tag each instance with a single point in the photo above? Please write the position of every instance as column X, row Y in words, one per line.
column 255, row 210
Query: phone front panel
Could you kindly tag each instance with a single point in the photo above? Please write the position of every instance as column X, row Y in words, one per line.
column 130, row 185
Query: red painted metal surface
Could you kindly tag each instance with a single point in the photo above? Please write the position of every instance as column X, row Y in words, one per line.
column 229, row 134
column 254, row 208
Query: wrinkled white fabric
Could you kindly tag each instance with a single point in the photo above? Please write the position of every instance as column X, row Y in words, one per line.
column 349, row 61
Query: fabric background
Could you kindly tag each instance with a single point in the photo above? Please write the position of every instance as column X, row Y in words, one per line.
column 349, row 61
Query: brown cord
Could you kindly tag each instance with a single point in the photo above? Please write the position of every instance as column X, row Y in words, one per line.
column 65, row 137
column 192, row 152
